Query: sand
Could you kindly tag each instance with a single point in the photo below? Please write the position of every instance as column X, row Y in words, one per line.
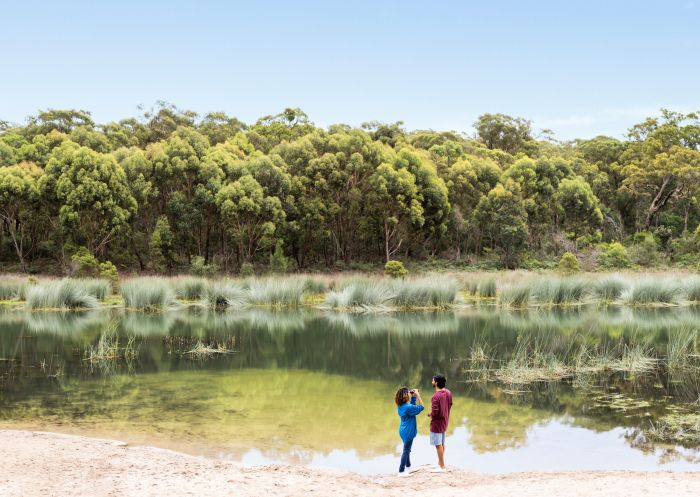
column 48, row 464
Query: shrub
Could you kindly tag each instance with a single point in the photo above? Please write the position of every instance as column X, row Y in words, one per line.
column 83, row 263
column 278, row 262
column 487, row 288
column 645, row 251
column 199, row 267
column 109, row 272
column 568, row 264
column 60, row 294
column 246, row 269
column 614, row 256
column 148, row 294
column 395, row 269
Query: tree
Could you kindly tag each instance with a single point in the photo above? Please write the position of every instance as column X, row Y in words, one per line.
column 502, row 219
column 92, row 192
column 579, row 206
column 161, row 245
column 251, row 218
column 394, row 196
column 510, row 134
column 19, row 194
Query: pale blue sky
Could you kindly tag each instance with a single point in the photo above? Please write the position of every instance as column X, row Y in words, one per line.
column 581, row 68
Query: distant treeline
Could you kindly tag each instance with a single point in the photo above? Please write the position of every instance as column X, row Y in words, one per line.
column 170, row 187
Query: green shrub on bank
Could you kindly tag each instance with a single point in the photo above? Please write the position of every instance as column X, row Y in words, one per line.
column 614, row 257
column 246, row 270
column 395, row 269
column 568, row 264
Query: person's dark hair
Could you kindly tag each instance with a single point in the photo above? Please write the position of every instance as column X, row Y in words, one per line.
column 402, row 396
column 440, row 380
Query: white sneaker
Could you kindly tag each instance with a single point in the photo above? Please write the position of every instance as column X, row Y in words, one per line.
column 438, row 469
column 412, row 470
column 404, row 474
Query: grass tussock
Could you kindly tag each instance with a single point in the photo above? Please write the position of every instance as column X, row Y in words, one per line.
column 435, row 293
column 200, row 350
column 652, row 292
column 609, row 289
column 13, row 288
column 516, row 296
column 109, row 348
column 276, row 292
column 148, row 294
column 487, row 288
column 361, row 294
column 225, row 294
column 190, row 288
column 560, row 291
column 61, row 294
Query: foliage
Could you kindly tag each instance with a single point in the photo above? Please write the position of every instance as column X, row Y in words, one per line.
column 614, row 256
column 568, row 264
column 199, row 267
column 246, row 269
column 395, row 269
column 159, row 190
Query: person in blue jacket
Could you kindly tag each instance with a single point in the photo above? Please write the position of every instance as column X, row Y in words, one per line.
column 408, row 410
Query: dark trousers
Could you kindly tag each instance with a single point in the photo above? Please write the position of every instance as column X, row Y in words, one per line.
column 406, row 456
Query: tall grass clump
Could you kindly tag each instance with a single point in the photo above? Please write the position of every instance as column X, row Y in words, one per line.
column 361, row 294
column 424, row 292
column 487, row 289
column 277, row 292
column 516, row 296
column 97, row 287
column 60, row 294
column 692, row 289
column 190, row 288
column 609, row 289
column 148, row 294
column 225, row 294
column 12, row 288
column 649, row 292
column 560, row 291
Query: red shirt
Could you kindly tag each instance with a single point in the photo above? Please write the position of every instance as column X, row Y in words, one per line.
column 441, row 403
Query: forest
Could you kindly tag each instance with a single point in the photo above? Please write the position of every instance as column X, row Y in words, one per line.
column 172, row 191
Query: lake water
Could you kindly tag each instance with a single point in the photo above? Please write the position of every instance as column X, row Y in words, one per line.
column 317, row 388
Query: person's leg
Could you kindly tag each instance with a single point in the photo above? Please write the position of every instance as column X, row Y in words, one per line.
column 441, row 455
column 405, row 455
column 408, row 456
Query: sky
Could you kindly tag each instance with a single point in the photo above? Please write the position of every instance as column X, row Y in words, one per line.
column 579, row 68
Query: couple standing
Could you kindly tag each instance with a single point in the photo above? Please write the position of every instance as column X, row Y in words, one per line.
column 409, row 404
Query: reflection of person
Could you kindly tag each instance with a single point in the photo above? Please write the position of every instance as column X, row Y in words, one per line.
column 440, row 406
column 408, row 410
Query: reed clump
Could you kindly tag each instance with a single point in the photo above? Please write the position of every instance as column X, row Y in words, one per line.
column 13, row 288
column 361, row 294
column 652, row 292
column 437, row 293
column 190, row 288
column 516, row 296
column 60, row 294
column 148, row 294
column 487, row 288
column 225, row 294
column 276, row 292
column 560, row 291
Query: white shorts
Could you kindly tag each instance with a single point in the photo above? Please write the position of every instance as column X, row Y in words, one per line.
column 437, row 438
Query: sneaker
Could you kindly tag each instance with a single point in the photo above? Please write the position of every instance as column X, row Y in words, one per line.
column 438, row 469
column 404, row 474
column 412, row 470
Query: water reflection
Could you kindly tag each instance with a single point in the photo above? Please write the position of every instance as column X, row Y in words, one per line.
column 317, row 387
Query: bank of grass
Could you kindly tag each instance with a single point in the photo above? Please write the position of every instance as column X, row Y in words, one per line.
column 62, row 294
column 365, row 294
column 148, row 294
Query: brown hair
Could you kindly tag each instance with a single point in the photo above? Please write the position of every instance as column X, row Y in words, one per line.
column 402, row 396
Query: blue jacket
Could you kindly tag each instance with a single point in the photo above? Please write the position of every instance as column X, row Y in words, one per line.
column 407, row 413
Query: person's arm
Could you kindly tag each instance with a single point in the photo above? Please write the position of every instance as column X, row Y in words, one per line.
column 435, row 408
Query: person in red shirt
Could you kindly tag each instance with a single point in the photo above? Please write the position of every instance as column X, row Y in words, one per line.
column 441, row 403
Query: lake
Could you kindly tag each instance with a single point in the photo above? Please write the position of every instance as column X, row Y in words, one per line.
column 583, row 388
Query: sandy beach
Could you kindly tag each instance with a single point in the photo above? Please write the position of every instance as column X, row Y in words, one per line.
column 50, row 464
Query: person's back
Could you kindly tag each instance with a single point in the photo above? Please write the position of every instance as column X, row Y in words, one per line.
column 440, row 406
column 408, row 406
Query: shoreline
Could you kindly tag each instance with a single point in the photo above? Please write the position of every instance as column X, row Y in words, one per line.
column 47, row 463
